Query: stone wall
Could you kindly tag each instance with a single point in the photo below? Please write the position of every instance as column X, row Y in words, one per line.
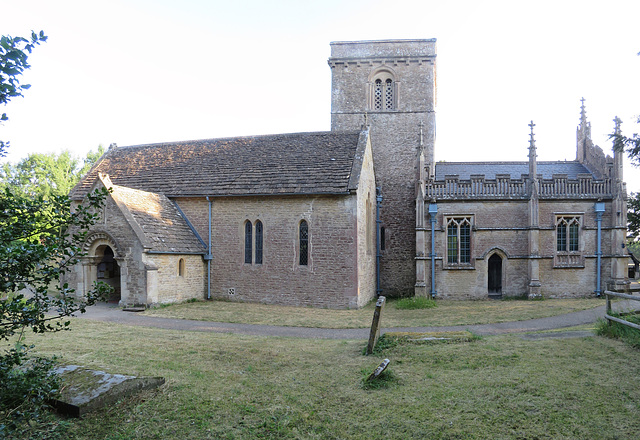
column 502, row 226
column 366, row 205
column 171, row 287
column 330, row 279
column 395, row 136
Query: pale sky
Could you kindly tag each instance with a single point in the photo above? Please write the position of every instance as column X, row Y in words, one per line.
column 143, row 71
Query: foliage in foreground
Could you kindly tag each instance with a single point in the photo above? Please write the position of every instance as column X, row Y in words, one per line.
column 623, row 332
column 14, row 52
column 27, row 387
column 41, row 237
column 39, row 241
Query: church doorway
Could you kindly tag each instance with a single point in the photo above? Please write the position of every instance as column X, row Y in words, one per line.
column 495, row 276
column 109, row 271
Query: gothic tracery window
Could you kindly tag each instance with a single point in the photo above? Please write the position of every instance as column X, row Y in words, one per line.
column 568, row 253
column 459, row 241
column 567, row 234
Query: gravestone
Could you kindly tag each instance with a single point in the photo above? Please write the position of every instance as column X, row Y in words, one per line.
column 378, row 371
column 87, row 390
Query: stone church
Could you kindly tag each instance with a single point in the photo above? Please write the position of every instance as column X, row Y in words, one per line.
column 330, row 219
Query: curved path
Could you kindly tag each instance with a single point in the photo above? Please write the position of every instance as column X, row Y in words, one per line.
column 111, row 313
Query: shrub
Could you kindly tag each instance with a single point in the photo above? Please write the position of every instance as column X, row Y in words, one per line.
column 28, row 385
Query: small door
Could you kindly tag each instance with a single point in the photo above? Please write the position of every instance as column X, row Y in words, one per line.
column 495, row 275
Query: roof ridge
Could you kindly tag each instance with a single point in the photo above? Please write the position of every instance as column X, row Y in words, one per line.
column 257, row 136
column 506, row 162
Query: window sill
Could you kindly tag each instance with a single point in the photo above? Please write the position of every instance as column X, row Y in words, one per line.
column 568, row 261
column 459, row 267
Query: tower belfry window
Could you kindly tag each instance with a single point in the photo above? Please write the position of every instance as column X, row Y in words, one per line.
column 378, row 95
column 388, row 94
column 383, row 91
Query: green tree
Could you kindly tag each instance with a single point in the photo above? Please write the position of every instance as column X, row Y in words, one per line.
column 633, row 215
column 47, row 174
column 40, row 238
column 631, row 146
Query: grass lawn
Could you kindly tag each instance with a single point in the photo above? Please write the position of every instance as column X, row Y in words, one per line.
column 446, row 313
column 222, row 386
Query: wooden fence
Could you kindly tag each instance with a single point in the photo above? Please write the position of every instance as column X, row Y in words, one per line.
column 623, row 296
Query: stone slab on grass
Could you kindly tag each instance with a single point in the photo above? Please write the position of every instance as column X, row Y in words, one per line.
column 426, row 337
column 85, row 390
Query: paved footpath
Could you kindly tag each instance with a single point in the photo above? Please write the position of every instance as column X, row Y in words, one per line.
column 111, row 313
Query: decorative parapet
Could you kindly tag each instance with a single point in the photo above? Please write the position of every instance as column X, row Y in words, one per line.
column 504, row 187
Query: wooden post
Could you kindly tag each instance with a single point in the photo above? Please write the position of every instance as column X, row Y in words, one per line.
column 608, row 309
column 375, row 325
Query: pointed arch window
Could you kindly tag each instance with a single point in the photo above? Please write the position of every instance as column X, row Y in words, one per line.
column 568, row 239
column 247, row 242
column 303, row 239
column 258, row 242
column 459, row 241
column 567, row 229
column 181, row 267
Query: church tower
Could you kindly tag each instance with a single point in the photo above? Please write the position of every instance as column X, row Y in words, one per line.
column 390, row 86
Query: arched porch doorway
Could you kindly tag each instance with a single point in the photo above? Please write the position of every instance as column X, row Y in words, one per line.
column 494, row 282
column 103, row 262
column 108, row 271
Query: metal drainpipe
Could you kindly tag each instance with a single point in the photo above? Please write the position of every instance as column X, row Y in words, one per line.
column 599, row 208
column 378, row 254
column 433, row 210
column 209, row 257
